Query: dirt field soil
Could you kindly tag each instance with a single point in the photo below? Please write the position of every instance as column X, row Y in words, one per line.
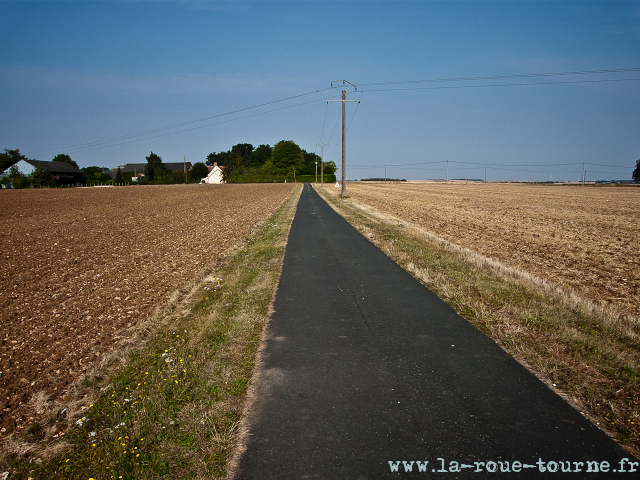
column 584, row 239
column 80, row 266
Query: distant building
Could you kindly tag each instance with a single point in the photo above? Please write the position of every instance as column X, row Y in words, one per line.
column 215, row 174
column 62, row 172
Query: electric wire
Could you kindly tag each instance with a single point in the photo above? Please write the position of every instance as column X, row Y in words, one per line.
column 177, row 128
column 494, row 85
column 459, row 166
column 124, row 142
column 114, row 141
column 326, row 110
column 350, row 121
column 334, row 131
column 502, row 77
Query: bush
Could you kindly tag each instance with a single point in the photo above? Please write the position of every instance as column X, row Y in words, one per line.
column 166, row 178
column 20, row 182
column 256, row 179
column 328, row 178
column 17, row 178
column 198, row 171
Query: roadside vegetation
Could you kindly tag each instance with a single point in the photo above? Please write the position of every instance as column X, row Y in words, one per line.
column 165, row 403
column 587, row 354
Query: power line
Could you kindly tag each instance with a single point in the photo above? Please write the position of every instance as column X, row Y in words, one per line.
column 324, row 121
column 200, row 126
column 133, row 137
column 483, row 164
column 348, row 126
column 177, row 128
column 334, row 130
column 501, row 85
column 500, row 77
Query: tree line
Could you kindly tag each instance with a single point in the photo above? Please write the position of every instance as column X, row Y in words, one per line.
column 285, row 159
column 242, row 163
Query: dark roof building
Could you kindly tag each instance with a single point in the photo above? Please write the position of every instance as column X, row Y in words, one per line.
column 62, row 172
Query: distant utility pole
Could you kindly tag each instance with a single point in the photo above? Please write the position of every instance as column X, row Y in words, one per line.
column 185, row 169
column 583, row 174
column 344, row 131
column 321, row 145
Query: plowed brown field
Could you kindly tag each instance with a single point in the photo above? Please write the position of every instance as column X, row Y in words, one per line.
column 583, row 239
column 80, row 266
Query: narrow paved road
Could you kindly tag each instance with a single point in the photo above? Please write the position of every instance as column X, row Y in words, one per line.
column 366, row 371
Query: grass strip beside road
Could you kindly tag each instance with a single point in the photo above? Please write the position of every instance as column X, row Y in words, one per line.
column 588, row 355
column 167, row 403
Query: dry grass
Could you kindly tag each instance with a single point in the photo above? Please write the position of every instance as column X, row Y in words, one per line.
column 588, row 353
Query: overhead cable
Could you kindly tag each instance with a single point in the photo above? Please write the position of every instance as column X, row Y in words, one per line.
column 133, row 137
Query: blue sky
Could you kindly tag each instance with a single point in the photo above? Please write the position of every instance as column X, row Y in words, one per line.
column 107, row 82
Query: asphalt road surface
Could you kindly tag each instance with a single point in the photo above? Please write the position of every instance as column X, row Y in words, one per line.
column 369, row 375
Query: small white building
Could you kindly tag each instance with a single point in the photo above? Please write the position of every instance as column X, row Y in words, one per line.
column 215, row 175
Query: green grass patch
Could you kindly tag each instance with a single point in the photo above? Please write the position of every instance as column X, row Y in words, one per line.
column 169, row 404
column 589, row 354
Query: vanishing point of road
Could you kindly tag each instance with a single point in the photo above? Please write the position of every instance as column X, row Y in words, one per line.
column 366, row 374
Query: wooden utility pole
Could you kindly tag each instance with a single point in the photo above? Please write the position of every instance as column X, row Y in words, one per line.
column 344, row 145
column 344, row 132
column 185, row 169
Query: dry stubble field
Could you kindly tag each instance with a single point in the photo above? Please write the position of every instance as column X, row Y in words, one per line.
column 582, row 239
column 81, row 266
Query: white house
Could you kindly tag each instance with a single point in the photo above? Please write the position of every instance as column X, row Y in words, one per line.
column 215, row 175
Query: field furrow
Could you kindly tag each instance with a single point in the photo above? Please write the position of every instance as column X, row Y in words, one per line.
column 583, row 239
column 81, row 266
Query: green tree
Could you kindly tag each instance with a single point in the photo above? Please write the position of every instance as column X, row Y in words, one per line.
column 219, row 158
column 90, row 173
column 9, row 158
column 101, row 177
column 244, row 150
column 330, row 167
column 198, row 171
column 310, row 160
column 636, row 172
column 40, row 178
column 164, row 176
column 154, row 168
column 62, row 157
column 233, row 164
column 18, row 179
column 287, row 156
column 259, row 156
column 119, row 177
column 92, row 170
